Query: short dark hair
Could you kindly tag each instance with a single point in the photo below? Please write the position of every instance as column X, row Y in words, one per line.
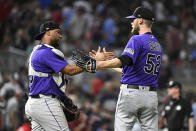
column 148, row 23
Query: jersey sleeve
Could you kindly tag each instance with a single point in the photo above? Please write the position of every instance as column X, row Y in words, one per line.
column 132, row 49
column 55, row 62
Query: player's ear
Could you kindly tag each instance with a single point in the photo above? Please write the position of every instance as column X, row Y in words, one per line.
column 141, row 21
column 48, row 33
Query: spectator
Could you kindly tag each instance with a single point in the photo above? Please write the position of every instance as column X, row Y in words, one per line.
column 20, row 20
column 5, row 8
column 192, row 35
column 67, row 13
column 174, row 44
column 78, row 25
column 165, row 74
column 11, row 85
column 13, row 114
column 108, row 98
column 193, row 55
column 109, row 29
column 81, row 124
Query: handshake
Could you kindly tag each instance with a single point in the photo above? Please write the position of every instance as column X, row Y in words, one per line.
column 89, row 62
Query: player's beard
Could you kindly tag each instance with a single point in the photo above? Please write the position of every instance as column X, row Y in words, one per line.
column 55, row 43
column 135, row 31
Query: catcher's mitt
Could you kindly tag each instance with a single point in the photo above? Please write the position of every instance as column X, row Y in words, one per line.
column 83, row 61
column 70, row 110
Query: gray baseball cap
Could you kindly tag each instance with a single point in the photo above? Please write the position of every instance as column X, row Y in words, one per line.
column 46, row 26
column 142, row 12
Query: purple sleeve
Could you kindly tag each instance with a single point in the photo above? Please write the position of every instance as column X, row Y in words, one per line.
column 55, row 62
column 132, row 49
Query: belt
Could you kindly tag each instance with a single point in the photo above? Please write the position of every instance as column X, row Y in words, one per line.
column 148, row 88
column 41, row 95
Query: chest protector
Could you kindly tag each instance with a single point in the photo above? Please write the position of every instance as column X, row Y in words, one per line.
column 59, row 78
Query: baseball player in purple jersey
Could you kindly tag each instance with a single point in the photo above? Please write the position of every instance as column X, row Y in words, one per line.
column 47, row 81
column 140, row 62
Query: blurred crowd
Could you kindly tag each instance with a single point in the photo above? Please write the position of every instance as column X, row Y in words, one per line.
column 86, row 25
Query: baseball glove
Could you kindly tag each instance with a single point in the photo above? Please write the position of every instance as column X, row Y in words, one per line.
column 70, row 110
column 84, row 61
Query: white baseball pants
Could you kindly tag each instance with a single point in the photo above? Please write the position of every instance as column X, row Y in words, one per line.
column 46, row 114
column 136, row 104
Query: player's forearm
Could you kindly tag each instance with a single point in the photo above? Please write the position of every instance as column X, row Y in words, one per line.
column 119, row 70
column 191, row 124
column 114, row 63
column 72, row 70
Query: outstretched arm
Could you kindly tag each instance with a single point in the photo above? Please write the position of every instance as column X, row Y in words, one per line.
column 91, row 65
column 102, row 56
column 123, row 60
column 72, row 70
column 119, row 70
column 113, row 63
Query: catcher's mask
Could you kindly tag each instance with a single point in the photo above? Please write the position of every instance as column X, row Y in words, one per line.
column 48, row 25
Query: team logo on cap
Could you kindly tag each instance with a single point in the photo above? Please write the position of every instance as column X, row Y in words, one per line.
column 171, row 83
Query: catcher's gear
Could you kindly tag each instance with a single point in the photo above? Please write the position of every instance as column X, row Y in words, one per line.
column 70, row 110
column 83, row 61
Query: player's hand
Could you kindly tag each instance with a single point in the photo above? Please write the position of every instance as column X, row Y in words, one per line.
column 101, row 56
column 97, row 55
column 108, row 55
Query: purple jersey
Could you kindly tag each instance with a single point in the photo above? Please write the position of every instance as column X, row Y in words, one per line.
column 146, row 53
column 44, row 60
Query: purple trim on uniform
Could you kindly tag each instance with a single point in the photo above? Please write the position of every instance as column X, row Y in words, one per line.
column 131, row 91
column 52, row 114
column 130, row 17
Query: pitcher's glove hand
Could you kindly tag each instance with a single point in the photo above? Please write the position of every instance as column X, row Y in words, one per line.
column 70, row 110
column 84, row 61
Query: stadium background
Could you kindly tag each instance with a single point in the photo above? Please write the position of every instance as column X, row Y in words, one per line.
column 86, row 25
